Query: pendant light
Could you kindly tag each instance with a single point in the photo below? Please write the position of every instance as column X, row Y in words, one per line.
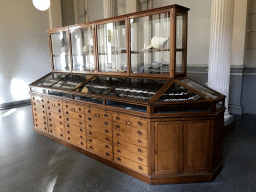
column 41, row 5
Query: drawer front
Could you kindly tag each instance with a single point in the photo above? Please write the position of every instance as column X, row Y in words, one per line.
column 97, row 127
column 75, row 115
column 129, row 163
column 99, row 136
column 40, row 122
column 56, row 126
column 59, row 134
column 55, row 118
column 132, row 156
column 40, row 116
column 38, row 105
column 77, row 129
column 41, row 127
column 39, row 110
column 130, row 147
column 75, row 122
column 99, row 114
column 75, row 108
column 130, row 139
column 38, row 99
column 106, row 123
column 99, row 150
column 54, row 103
column 54, row 110
column 126, row 129
column 95, row 142
column 74, row 137
column 55, row 115
column 131, row 121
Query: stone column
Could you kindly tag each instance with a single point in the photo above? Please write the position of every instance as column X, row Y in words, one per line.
column 121, row 7
column 220, row 47
column 110, row 8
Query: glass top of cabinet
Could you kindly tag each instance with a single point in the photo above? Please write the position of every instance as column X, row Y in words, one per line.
column 60, row 51
column 112, row 48
column 138, row 89
column 100, row 85
column 177, row 92
column 150, row 44
column 50, row 79
column 71, row 82
column 82, row 49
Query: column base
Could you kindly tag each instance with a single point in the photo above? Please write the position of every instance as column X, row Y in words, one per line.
column 229, row 125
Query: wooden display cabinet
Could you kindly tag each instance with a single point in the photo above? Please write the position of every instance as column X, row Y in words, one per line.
column 118, row 92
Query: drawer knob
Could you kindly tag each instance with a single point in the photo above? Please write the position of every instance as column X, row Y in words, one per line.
column 82, row 143
column 43, row 111
column 48, row 102
column 90, row 140
column 67, row 119
column 118, row 151
column 106, row 115
column 80, row 123
column 50, row 125
column 60, row 123
column 79, row 109
column 117, row 118
column 50, row 119
column 140, row 123
column 67, row 112
column 68, row 132
column 81, row 130
column 34, row 103
column 89, row 118
column 107, row 154
column 68, row 125
column 51, row 131
column 140, row 168
column 139, row 133
column 59, row 111
column 33, row 98
column 140, row 159
column 49, row 107
column 80, row 116
column 42, row 100
column 89, row 126
column 45, row 123
column 35, row 119
column 106, row 146
column 66, row 106
column 117, row 126
column 43, row 106
column 119, row 159
column 44, row 117
column 106, row 139
column 35, row 114
column 106, row 123
column 106, row 131
column 68, row 138
column 97, row 115
column 139, row 150
column 35, row 109
column 61, row 135
column 91, row 147
column 118, row 135
column 58, row 104
column 118, row 143
column 90, row 133
column 60, row 117
column 89, row 111
column 139, row 141
column 45, row 128
column 36, row 125
column 81, row 136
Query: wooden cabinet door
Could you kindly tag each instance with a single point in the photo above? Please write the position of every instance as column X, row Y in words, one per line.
column 168, row 148
column 196, row 142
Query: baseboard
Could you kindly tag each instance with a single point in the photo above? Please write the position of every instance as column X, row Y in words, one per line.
column 10, row 105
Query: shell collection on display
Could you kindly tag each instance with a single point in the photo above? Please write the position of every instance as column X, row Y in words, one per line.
column 157, row 43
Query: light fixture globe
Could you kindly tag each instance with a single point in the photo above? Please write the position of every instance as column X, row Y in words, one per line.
column 41, row 5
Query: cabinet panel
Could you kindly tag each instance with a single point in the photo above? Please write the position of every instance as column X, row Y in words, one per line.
column 196, row 145
column 168, row 148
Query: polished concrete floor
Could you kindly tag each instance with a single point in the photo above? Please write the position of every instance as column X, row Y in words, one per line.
column 30, row 162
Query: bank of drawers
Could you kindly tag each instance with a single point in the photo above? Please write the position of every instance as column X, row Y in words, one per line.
column 39, row 112
column 99, row 132
column 130, row 142
column 74, row 119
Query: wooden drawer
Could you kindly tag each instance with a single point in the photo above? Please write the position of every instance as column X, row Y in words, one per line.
column 132, row 156
column 129, row 163
column 75, row 122
column 97, row 127
column 99, row 136
column 106, row 123
column 40, row 116
column 54, row 103
column 38, row 99
column 95, row 142
column 130, row 139
column 126, row 129
column 99, row 114
column 75, row 115
column 130, row 147
column 55, row 117
column 76, row 138
column 131, row 121
column 75, row 107
column 77, row 129
column 102, row 151
column 38, row 105
column 41, row 127
column 40, row 121
column 56, row 126
column 54, row 110
column 59, row 134
column 39, row 110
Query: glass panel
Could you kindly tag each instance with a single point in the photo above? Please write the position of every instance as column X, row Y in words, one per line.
column 39, row 90
column 60, row 51
column 150, row 45
column 183, row 108
column 179, row 93
column 112, row 47
column 179, row 43
column 82, row 49
column 141, row 89
column 71, row 82
column 127, row 106
column 60, row 94
column 209, row 93
column 101, row 85
column 50, row 79
column 89, row 99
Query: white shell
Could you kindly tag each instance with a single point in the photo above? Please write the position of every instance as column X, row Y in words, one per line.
column 159, row 42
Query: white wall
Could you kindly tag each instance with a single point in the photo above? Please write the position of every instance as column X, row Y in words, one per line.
column 24, row 48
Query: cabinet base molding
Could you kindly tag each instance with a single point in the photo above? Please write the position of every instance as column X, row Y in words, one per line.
column 154, row 180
